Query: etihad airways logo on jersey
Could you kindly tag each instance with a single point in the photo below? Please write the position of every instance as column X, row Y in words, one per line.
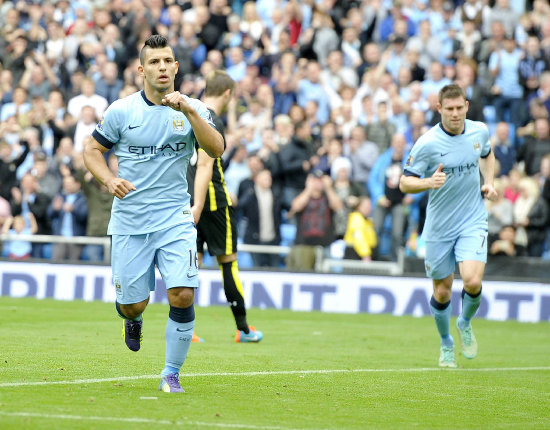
column 165, row 150
column 465, row 169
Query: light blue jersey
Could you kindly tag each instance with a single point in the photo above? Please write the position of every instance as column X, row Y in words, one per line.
column 153, row 145
column 458, row 205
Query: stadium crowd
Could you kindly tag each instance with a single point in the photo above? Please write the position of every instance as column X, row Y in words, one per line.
column 331, row 96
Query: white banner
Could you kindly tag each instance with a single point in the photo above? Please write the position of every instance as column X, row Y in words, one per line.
column 501, row 300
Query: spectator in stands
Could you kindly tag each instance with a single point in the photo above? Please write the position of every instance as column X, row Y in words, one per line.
column 467, row 40
column 531, row 66
column 436, row 79
column 387, row 26
column 530, row 216
column 348, row 192
column 386, row 195
column 284, row 96
column 466, row 77
column 87, row 97
column 511, row 189
column 87, row 120
column 69, row 214
column 503, row 148
column 500, row 211
column 109, row 85
column 18, row 107
column 426, row 44
column 362, row 153
column 337, row 74
column 370, row 58
column 13, row 58
column 294, row 163
column 38, row 78
column 261, row 207
column 311, row 88
column 320, row 38
column 502, row 12
column 17, row 226
column 360, row 237
column 27, row 198
column 507, row 90
column 8, row 167
column 381, row 130
column 48, row 180
column 313, row 208
column 537, row 109
column 418, row 126
column 506, row 243
column 535, row 147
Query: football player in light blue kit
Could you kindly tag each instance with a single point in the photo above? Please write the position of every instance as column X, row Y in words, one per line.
column 447, row 160
column 153, row 133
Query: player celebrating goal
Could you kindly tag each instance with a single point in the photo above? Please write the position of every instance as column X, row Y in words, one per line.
column 153, row 133
column 446, row 161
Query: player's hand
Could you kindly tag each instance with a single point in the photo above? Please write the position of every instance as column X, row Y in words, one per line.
column 489, row 192
column 119, row 187
column 438, row 178
column 177, row 102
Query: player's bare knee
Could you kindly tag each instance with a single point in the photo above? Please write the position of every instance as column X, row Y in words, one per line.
column 133, row 310
column 181, row 297
column 442, row 294
column 472, row 283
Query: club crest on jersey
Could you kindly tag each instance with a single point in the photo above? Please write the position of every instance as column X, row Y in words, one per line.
column 477, row 147
column 100, row 124
column 409, row 160
column 178, row 123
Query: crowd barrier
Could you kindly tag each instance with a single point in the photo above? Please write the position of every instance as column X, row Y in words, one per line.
column 501, row 300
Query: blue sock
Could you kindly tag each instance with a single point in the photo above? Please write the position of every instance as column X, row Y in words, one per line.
column 470, row 305
column 442, row 315
column 179, row 331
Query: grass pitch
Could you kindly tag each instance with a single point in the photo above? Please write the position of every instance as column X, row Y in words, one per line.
column 64, row 365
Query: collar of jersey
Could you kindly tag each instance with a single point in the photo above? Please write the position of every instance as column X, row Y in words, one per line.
column 446, row 132
column 149, row 102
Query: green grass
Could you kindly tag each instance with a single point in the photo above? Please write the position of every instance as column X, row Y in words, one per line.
column 47, row 341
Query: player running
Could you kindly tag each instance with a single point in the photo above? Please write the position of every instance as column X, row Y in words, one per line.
column 446, row 161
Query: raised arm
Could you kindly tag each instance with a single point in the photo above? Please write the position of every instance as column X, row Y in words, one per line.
column 208, row 137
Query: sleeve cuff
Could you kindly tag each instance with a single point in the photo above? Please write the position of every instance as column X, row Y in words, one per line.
column 409, row 173
column 102, row 140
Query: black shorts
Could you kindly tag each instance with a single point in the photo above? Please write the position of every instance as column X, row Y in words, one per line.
column 219, row 230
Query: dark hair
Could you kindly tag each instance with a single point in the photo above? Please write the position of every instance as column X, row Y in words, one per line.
column 217, row 82
column 155, row 41
column 451, row 91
